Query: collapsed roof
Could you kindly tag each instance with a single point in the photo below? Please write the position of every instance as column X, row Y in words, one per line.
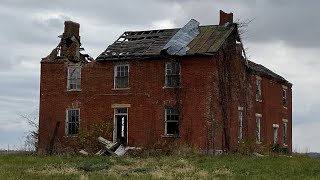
column 191, row 39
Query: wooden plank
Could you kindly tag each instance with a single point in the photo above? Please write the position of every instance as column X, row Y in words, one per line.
column 198, row 39
column 210, row 40
column 223, row 35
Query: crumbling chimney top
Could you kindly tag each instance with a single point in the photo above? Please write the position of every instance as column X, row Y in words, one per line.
column 225, row 18
column 71, row 28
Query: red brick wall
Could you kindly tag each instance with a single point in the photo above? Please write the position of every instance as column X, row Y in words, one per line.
column 272, row 111
column 199, row 97
column 146, row 96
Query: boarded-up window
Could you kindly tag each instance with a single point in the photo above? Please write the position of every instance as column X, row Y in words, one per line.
column 73, row 120
column 121, row 76
column 171, row 121
column 74, row 78
column 172, row 74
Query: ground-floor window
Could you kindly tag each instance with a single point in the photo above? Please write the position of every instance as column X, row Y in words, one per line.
column 240, row 123
column 258, row 128
column 73, row 120
column 285, row 129
column 275, row 133
column 171, row 121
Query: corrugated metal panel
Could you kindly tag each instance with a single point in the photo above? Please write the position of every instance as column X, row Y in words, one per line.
column 177, row 45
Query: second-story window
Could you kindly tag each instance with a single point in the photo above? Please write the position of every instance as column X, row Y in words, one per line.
column 74, row 78
column 172, row 74
column 284, row 97
column 258, row 89
column 121, row 76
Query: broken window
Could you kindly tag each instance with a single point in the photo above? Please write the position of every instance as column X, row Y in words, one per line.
column 284, row 97
column 258, row 89
column 240, row 123
column 73, row 119
column 172, row 74
column 172, row 121
column 121, row 76
column 74, row 78
column 258, row 128
column 285, row 129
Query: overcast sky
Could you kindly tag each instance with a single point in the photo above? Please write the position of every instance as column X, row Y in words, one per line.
column 282, row 36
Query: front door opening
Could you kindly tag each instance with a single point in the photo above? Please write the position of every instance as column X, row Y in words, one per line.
column 121, row 125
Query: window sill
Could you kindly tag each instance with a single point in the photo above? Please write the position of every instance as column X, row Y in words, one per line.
column 74, row 90
column 285, row 145
column 170, row 136
column 284, row 107
column 120, row 89
column 167, row 87
column 258, row 142
column 258, row 100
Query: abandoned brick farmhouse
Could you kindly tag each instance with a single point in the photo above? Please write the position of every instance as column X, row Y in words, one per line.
column 191, row 85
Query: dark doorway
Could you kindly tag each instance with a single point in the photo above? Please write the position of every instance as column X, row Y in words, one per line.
column 121, row 129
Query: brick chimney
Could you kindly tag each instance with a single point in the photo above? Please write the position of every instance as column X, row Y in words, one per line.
column 71, row 28
column 225, row 18
column 70, row 47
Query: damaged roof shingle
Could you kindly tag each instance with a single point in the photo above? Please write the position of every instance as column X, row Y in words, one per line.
column 149, row 44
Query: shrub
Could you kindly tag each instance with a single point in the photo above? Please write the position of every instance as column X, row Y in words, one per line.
column 88, row 136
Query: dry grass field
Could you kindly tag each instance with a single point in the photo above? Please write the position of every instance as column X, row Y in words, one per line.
column 18, row 166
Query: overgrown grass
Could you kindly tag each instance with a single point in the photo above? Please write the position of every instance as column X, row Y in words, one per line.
column 159, row 167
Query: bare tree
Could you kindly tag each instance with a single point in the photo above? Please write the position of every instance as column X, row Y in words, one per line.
column 243, row 32
column 31, row 137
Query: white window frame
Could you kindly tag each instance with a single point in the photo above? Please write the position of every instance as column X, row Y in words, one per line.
column 240, row 124
column 285, row 132
column 168, row 75
column 284, row 96
column 258, row 86
column 67, row 121
column 258, row 128
column 115, row 76
column 70, row 79
column 166, row 121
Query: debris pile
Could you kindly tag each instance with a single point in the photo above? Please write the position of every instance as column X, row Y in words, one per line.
column 111, row 148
